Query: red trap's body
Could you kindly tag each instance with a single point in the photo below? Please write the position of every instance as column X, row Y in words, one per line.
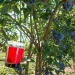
column 14, row 54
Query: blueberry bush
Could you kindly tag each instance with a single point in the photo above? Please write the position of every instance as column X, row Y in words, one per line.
column 46, row 27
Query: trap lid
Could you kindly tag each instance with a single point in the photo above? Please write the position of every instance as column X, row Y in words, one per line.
column 15, row 44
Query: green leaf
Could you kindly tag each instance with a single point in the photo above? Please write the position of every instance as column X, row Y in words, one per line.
column 34, row 15
column 56, row 2
column 26, row 12
column 1, row 21
column 1, row 1
column 44, row 15
column 45, row 44
column 26, row 1
column 32, row 60
column 5, row 9
column 15, row 9
column 15, row 0
column 68, row 21
column 50, row 61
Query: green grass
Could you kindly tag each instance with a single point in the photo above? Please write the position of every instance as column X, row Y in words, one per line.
column 2, row 55
column 3, row 69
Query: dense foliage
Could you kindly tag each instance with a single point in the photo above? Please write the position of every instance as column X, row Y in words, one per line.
column 46, row 24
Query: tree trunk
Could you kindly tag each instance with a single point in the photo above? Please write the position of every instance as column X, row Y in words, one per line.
column 28, row 57
column 36, row 67
column 39, row 61
column 74, row 64
column 26, row 69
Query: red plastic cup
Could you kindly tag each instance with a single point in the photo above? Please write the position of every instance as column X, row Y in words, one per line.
column 14, row 53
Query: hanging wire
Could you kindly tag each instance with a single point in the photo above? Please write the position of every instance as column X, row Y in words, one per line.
column 20, row 21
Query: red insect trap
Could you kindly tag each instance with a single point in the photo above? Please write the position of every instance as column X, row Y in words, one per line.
column 14, row 54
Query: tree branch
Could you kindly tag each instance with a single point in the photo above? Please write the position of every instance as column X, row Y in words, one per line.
column 4, row 34
column 37, row 35
column 51, row 18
